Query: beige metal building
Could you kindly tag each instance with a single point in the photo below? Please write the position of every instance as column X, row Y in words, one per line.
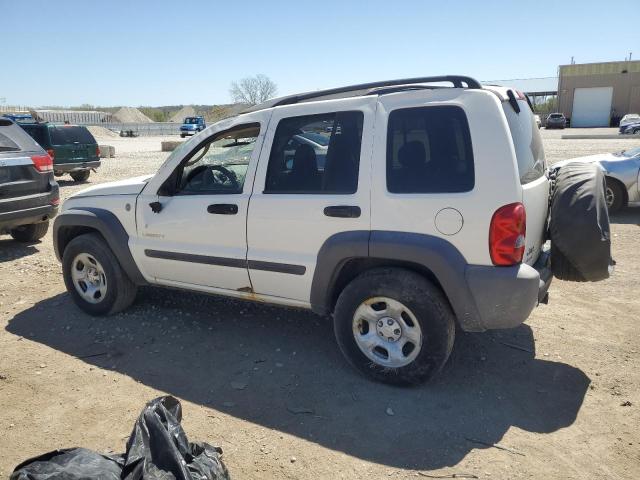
column 599, row 94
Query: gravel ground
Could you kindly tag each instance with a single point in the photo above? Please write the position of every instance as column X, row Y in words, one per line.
column 557, row 397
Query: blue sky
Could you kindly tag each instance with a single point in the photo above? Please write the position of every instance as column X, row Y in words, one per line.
column 156, row 52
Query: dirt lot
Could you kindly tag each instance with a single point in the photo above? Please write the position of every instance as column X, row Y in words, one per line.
column 560, row 394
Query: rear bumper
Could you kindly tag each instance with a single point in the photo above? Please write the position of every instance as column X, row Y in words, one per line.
column 11, row 220
column 505, row 296
column 75, row 167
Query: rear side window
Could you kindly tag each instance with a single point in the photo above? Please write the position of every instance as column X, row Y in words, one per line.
column 8, row 145
column 70, row 134
column 526, row 141
column 429, row 151
column 38, row 133
column 316, row 154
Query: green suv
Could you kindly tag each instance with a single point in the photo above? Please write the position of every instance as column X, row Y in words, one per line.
column 72, row 147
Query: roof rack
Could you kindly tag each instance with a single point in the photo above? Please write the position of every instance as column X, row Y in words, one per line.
column 458, row 81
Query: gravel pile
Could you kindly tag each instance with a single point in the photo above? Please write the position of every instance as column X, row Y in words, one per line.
column 101, row 132
column 186, row 111
column 130, row 115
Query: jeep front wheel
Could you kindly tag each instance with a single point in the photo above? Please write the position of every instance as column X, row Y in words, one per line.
column 395, row 326
column 94, row 278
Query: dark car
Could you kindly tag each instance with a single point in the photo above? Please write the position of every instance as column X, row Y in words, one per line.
column 630, row 128
column 29, row 195
column 72, row 147
column 556, row 120
column 192, row 125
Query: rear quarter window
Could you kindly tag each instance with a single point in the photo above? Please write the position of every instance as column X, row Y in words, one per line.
column 16, row 139
column 66, row 135
column 8, row 145
column 526, row 141
column 429, row 151
column 38, row 133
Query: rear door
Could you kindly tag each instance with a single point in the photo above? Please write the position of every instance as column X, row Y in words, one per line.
column 73, row 144
column 532, row 167
column 296, row 204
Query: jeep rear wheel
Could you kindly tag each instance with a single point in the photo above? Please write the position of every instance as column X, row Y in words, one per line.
column 395, row 326
column 80, row 176
column 30, row 233
column 94, row 278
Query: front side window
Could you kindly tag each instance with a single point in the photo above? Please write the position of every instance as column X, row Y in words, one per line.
column 316, row 154
column 220, row 164
column 429, row 151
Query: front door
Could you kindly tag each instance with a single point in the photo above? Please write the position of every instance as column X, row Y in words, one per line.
column 191, row 220
column 312, row 183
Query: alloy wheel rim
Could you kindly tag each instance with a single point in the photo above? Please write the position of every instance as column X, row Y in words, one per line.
column 89, row 278
column 387, row 332
column 609, row 196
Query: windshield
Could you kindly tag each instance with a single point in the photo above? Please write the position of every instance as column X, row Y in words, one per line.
column 70, row 134
column 191, row 120
column 526, row 141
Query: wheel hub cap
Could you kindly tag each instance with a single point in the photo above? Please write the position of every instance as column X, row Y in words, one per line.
column 389, row 329
column 387, row 332
column 93, row 276
column 89, row 278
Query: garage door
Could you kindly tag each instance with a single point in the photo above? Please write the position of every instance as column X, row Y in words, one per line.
column 591, row 107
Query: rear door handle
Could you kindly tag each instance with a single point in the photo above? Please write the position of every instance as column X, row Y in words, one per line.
column 223, row 209
column 342, row 211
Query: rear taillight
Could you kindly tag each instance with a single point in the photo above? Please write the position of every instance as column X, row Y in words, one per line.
column 97, row 151
column 507, row 234
column 55, row 201
column 52, row 153
column 43, row 163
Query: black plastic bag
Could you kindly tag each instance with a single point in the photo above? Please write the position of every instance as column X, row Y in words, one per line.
column 157, row 449
column 579, row 224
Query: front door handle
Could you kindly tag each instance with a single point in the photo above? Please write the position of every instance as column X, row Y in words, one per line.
column 342, row 211
column 223, row 209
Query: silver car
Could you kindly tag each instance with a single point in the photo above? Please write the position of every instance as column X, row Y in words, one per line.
column 622, row 170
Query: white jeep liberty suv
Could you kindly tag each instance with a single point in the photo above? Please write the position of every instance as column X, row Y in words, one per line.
column 400, row 208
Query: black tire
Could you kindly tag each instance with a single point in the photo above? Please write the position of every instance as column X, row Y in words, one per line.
column 615, row 189
column 429, row 307
column 181, row 135
column 81, row 176
column 121, row 291
column 30, row 233
column 562, row 268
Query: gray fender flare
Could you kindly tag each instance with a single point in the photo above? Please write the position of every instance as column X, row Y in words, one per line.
column 104, row 222
column 433, row 253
